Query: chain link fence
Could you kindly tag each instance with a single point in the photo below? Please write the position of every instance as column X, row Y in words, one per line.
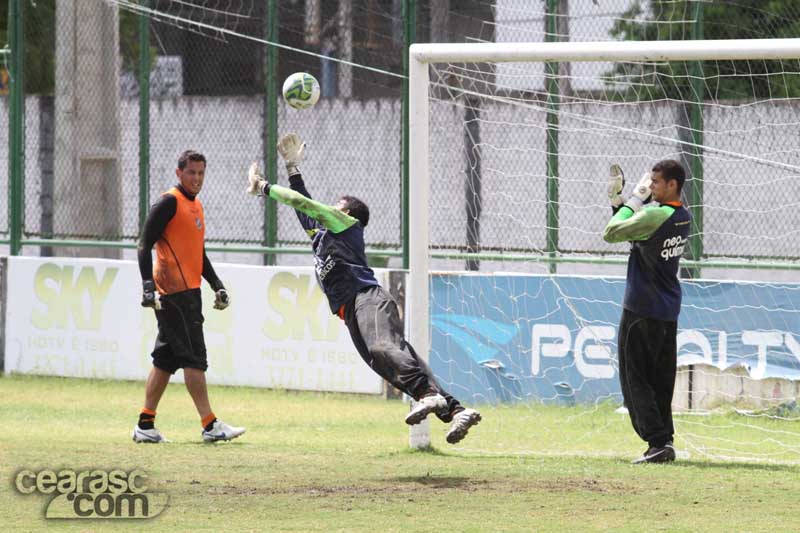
column 733, row 125
column 209, row 88
column 211, row 74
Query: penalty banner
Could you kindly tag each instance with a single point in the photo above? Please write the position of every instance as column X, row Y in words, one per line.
column 506, row 338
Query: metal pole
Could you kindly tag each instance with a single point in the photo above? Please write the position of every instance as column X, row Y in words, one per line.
column 144, row 116
column 551, row 73
column 419, row 230
column 696, row 123
column 409, row 36
column 473, row 189
column 16, row 126
column 271, row 127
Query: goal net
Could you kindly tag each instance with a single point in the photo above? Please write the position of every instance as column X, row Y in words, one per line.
column 516, row 297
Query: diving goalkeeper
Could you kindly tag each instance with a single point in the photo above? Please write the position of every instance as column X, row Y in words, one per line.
column 647, row 346
column 368, row 310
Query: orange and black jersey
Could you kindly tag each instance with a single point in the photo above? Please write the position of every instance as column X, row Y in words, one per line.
column 176, row 227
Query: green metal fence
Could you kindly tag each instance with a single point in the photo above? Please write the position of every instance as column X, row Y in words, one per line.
column 94, row 131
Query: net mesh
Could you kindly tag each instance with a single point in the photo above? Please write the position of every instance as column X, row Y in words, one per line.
column 524, row 336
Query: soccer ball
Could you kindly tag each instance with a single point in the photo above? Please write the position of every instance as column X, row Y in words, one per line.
column 301, row 90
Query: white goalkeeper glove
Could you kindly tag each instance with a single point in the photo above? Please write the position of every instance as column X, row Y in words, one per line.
column 291, row 149
column 221, row 299
column 641, row 193
column 257, row 184
column 616, row 182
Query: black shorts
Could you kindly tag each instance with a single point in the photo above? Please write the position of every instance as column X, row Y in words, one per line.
column 180, row 342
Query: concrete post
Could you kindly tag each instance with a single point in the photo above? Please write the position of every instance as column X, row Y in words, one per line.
column 87, row 196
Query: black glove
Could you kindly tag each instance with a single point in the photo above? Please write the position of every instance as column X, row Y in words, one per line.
column 149, row 296
column 222, row 299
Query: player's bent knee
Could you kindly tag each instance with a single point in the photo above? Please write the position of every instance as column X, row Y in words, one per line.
column 381, row 352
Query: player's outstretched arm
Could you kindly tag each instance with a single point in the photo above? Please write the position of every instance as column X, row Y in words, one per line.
column 330, row 217
column 310, row 211
column 256, row 184
column 291, row 150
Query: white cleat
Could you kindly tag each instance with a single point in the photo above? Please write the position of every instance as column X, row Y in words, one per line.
column 222, row 431
column 147, row 435
column 425, row 406
column 462, row 421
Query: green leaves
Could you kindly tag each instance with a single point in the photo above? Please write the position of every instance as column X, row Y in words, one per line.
column 722, row 80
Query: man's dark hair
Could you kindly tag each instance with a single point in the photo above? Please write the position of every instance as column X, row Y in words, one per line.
column 190, row 155
column 356, row 209
column 671, row 170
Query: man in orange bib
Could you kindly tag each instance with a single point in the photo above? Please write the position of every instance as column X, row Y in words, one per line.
column 176, row 226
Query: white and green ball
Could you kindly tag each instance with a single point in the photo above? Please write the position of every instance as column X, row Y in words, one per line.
column 301, row 90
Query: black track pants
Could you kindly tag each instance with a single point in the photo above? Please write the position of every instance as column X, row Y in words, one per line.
column 647, row 364
column 377, row 333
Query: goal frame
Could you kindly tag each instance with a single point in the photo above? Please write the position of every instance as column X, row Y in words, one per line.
column 422, row 54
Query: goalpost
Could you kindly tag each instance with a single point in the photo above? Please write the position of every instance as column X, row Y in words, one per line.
column 652, row 107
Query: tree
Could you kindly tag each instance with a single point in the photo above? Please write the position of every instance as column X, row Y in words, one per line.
column 38, row 26
column 722, row 19
column 40, row 42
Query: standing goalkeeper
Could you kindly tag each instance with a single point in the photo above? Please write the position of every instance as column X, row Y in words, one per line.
column 648, row 329
column 176, row 227
column 368, row 310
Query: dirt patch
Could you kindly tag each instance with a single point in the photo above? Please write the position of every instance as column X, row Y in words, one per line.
column 415, row 485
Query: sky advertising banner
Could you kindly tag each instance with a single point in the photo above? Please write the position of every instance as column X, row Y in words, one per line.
column 82, row 318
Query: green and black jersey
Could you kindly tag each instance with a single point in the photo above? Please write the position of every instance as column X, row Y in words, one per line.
column 337, row 239
column 658, row 236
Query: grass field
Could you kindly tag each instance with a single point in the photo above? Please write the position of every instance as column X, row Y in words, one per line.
column 316, row 462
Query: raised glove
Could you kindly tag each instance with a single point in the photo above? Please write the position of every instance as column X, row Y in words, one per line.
column 258, row 186
column 616, row 182
column 221, row 299
column 149, row 295
column 641, row 193
column 291, row 149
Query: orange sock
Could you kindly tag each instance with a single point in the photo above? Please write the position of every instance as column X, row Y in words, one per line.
column 207, row 420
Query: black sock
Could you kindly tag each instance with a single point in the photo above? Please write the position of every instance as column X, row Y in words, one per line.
column 210, row 425
column 146, row 421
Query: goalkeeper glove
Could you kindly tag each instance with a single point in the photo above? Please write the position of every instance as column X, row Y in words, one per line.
column 641, row 193
column 149, row 295
column 221, row 299
column 258, row 186
column 291, row 149
column 616, row 182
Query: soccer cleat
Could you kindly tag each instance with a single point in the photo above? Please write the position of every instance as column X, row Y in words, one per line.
column 462, row 421
column 147, row 435
column 661, row 454
column 222, row 431
column 435, row 403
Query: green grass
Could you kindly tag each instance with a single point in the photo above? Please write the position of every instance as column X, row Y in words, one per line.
column 318, row 462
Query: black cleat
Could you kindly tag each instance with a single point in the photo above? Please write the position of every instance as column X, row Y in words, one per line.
column 661, row 454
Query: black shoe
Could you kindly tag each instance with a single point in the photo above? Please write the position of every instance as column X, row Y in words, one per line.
column 660, row 454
